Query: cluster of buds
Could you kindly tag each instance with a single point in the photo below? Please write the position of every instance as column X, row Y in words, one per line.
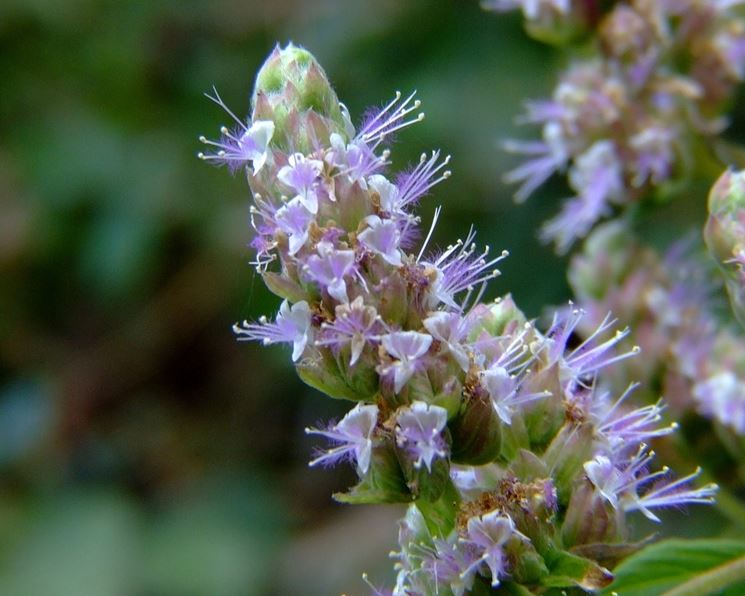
column 639, row 116
column 695, row 357
column 517, row 465
column 724, row 234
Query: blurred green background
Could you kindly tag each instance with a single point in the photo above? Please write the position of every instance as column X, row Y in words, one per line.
column 143, row 451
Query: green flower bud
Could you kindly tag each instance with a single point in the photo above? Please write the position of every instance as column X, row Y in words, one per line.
column 293, row 91
column 476, row 431
column 566, row 455
column 384, row 481
column 498, row 318
column 424, row 483
column 590, row 518
column 334, row 377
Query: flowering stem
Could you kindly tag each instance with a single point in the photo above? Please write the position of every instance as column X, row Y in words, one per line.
column 712, row 581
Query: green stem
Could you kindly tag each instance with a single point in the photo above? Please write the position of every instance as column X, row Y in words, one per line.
column 712, row 581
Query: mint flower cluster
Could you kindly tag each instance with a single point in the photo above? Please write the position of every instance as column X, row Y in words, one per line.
column 640, row 114
column 518, row 464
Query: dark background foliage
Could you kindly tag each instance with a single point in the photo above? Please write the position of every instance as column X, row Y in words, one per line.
column 143, row 451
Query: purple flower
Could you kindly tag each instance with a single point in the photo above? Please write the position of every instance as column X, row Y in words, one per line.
column 460, row 268
column 382, row 237
column 488, row 534
column 245, row 144
column 673, row 494
column 619, row 484
column 382, row 123
column 621, row 426
column 301, row 174
column 355, row 324
column 419, row 431
column 329, row 268
column 654, row 154
column 353, row 438
column 407, row 347
column 417, row 182
column 449, row 329
column 550, row 155
column 608, row 480
column 354, row 159
column 293, row 219
column 504, row 391
column 293, row 325
column 388, row 193
column 580, row 365
column 450, row 565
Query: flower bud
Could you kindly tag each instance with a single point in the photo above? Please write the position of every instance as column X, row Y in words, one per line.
column 292, row 90
column 566, row 454
column 330, row 375
column 384, row 481
column 544, row 417
column 529, row 567
column 498, row 318
column 724, row 234
column 590, row 519
column 476, row 431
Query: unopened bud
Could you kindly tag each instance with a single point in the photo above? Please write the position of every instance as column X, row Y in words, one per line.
column 590, row 519
column 294, row 92
column 724, row 234
column 384, row 481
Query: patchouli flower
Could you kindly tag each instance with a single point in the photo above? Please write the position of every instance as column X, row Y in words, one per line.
column 488, row 534
column 246, row 144
column 723, row 398
column 407, row 347
column 293, row 325
column 301, row 174
column 355, row 324
column 382, row 237
column 293, row 219
column 419, row 431
column 329, row 268
column 353, row 436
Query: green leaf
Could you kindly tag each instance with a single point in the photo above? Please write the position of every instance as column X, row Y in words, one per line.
column 684, row 565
